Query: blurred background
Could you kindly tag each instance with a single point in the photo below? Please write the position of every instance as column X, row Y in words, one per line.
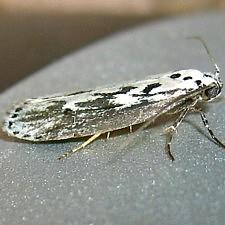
column 35, row 33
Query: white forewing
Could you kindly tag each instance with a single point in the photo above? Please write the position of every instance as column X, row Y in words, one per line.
column 104, row 109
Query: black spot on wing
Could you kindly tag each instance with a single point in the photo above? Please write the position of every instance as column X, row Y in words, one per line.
column 67, row 111
column 198, row 82
column 26, row 135
column 126, row 89
column 100, row 104
column 158, row 93
column 187, row 78
column 18, row 109
column 38, row 137
column 150, row 87
column 207, row 75
column 175, row 75
column 57, row 106
column 14, row 115
column 122, row 90
column 10, row 124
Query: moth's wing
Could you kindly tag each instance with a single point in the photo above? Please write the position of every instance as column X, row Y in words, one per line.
column 85, row 113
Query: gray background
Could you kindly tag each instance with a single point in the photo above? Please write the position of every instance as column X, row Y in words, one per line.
column 105, row 184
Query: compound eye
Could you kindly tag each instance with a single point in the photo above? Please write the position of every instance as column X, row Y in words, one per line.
column 212, row 92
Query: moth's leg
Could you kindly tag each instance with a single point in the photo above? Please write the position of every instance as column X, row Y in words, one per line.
column 170, row 132
column 206, row 124
column 91, row 139
column 108, row 135
column 131, row 128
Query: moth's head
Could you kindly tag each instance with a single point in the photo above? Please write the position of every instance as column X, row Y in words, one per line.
column 213, row 83
column 214, row 89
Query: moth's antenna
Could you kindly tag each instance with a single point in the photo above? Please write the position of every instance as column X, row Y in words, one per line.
column 217, row 69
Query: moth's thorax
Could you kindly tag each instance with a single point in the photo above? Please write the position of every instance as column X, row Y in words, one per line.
column 195, row 80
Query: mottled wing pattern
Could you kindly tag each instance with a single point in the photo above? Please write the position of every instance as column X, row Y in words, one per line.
column 104, row 109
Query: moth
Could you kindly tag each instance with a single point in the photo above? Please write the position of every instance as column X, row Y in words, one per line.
column 95, row 112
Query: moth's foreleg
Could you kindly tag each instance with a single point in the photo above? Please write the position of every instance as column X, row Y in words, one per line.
column 206, row 124
column 91, row 139
column 170, row 132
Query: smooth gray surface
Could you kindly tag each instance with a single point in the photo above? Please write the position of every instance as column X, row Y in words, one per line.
column 139, row 184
